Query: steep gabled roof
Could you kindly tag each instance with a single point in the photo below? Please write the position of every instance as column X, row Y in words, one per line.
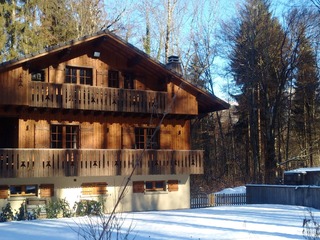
column 109, row 43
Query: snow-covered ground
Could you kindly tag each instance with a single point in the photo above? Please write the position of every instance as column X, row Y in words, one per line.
column 247, row 222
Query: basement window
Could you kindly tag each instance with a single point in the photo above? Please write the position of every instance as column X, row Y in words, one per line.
column 155, row 186
column 23, row 190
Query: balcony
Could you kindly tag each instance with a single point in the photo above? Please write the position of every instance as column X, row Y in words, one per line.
column 28, row 163
column 84, row 97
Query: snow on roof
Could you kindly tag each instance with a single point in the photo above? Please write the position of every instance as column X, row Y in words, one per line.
column 304, row 170
column 241, row 189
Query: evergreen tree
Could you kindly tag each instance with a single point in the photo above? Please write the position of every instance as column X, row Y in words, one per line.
column 31, row 25
column 305, row 101
column 2, row 32
column 29, row 40
column 258, row 67
column 57, row 22
column 12, row 28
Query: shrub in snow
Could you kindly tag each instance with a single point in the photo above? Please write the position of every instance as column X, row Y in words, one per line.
column 311, row 228
column 58, row 208
column 6, row 214
column 23, row 214
column 88, row 207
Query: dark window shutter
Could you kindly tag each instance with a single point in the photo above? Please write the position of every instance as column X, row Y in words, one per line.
column 46, row 190
column 100, row 188
column 173, row 185
column 96, row 188
column 4, row 191
column 138, row 186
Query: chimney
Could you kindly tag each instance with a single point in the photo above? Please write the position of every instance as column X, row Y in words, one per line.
column 174, row 64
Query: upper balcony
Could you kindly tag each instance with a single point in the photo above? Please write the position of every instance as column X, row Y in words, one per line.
column 27, row 163
column 84, row 97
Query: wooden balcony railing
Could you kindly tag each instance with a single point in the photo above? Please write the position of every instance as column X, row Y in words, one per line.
column 84, row 97
column 21, row 163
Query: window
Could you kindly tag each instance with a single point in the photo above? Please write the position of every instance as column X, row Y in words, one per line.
column 71, row 75
column 128, row 81
column 24, row 190
column 147, row 138
column 78, row 75
column 65, row 136
column 155, row 186
column 151, row 186
column 113, row 79
column 72, row 136
column 95, row 188
column 56, row 136
column 85, row 76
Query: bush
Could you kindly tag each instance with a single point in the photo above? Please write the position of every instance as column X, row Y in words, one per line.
column 21, row 214
column 6, row 214
column 88, row 207
column 65, row 208
column 35, row 213
column 58, row 208
column 311, row 228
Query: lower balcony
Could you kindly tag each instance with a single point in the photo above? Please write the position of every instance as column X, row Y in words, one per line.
column 26, row 163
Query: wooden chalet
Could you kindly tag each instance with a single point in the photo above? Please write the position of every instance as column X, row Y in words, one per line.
column 75, row 119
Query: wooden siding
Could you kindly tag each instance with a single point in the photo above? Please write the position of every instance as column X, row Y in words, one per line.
column 104, row 133
column 22, row 163
column 182, row 101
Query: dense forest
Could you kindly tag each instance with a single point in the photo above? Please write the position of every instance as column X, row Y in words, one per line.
column 265, row 53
